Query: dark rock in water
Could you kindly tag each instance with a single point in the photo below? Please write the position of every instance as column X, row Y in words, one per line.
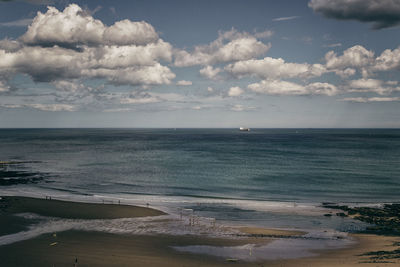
column 384, row 221
column 13, row 172
column 341, row 214
column 328, row 215
column 328, row 204
column 383, row 255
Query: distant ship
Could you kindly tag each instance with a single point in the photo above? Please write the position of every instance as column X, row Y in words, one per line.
column 243, row 129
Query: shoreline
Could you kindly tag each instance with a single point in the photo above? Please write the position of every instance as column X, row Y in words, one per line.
column 110, row 249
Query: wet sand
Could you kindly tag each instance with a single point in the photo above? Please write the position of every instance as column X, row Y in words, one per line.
column 73, row 210
column 105, row 249
column 352, row 256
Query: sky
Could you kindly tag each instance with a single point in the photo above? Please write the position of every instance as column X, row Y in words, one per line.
column 188, row 63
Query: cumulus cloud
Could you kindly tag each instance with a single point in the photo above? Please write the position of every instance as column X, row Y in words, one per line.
column 140, row 98
column 278, row 87
column 229, row 46
column 319, row 88
column 356, row 59
column 356, row 56
column 210, row 72
column 373, row 85
column 76, row 92
column 235, row 91
column 126, row 32
column 274, row 68
column 9, row 45
column 388, row 60
column 137, row 75
column 352, row 60
column 74, row 26
column 184, row 83
column 381, row 13
column 359, row 58
column 73, row 45
column 68, row 86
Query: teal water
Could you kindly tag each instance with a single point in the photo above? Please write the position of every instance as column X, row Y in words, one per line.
column 307, row 166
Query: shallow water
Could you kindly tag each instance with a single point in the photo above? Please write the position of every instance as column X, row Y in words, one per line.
column 285, row 248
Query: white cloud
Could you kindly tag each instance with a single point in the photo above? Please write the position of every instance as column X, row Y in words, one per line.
column 143, row 75
column 235, row 91
column 124, row 56
column 210, row 72
column 184, row 83
column 285, row 18
column 229, row 46
column 52, row 107
column 42, row 107
column 74, row 26
column 274, row 68
column 126, row 32
column 73, row 45
column 388, row 60
column 359, row 58
column 352, row 60
column 278, row 87
column 10, row 106
column 264, row 34
column 353, row 57
column 239, row 107
column 76, row 92
column 140, row 98
column 117, row 110
column 68, row 86
column 319, row 88
column 373, row 85
column 333, row 45
column 371, row 99
column 9, row 45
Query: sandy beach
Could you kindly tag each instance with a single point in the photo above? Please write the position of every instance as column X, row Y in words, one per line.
column 106, row 249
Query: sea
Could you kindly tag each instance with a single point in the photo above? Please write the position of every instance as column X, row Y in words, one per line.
column 275, row 178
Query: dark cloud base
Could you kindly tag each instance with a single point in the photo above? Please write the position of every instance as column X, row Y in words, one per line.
column 384, row 15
